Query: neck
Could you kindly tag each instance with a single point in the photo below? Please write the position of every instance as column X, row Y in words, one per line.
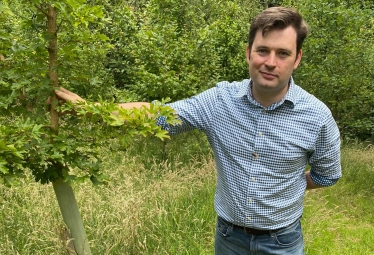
column 268, row 97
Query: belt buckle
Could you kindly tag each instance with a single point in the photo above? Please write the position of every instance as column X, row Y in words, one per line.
column 255, row 231
column 247, row 230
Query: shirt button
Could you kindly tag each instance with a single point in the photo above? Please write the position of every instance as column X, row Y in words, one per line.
column 249, row 218
column 255, row 155
column 253, row 178
column 260, row 134
column 250, row 200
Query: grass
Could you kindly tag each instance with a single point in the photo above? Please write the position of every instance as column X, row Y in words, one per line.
column 164, row 205
column 340, row 219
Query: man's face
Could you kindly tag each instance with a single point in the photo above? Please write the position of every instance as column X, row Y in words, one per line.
column 271, row 61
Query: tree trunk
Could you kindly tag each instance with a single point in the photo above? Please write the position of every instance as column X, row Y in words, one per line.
column 52, row 51
column 64, row 192
column 70, row 214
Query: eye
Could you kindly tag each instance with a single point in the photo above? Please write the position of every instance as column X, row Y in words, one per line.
column 283, row 54
column 262, row 51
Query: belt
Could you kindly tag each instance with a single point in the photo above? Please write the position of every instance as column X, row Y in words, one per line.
column 250, row 231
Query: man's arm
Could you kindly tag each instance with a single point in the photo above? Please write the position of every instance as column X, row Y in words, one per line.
column 133, row 105
column 324, row 160
column 66, row 95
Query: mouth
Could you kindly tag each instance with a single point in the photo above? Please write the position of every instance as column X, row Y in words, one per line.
column 267, row 75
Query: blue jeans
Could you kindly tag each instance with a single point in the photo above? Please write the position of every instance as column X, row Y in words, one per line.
column 235, row 241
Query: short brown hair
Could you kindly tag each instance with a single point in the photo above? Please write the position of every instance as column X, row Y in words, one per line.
column 279, row 18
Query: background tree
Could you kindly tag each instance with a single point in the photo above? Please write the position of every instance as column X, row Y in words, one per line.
column 176, row 49
column 338, row 60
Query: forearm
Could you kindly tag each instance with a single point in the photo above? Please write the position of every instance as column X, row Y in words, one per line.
column 66, row 95
column 136, row 105
column 131, row 105
column 309, row 183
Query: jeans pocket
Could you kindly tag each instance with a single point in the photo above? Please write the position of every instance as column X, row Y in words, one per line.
column 223, row 228
column 289, row 236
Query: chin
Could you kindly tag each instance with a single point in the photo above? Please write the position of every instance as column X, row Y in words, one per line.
column 267, row 85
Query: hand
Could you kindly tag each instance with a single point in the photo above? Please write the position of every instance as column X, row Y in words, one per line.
column 66, row 95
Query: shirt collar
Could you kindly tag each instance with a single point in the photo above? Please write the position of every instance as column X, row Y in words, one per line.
column 246, row 91
column 291, row 94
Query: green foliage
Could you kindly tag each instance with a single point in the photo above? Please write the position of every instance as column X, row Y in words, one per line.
column 338, row 60
column 176, row 49
column 11, row 155
column 70, row 151
column 73, row 154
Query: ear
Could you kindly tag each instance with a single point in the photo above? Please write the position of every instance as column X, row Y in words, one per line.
column 247, row 53
column 298, row 59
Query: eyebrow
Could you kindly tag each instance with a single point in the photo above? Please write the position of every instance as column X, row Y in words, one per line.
column 280, row 49
column 288, row 50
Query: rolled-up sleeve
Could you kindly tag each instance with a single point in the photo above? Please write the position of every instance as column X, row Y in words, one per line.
column 325, row 160
column 194, row 113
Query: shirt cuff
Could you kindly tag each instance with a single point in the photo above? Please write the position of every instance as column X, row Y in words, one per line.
column 322, row 180
column 161, row 121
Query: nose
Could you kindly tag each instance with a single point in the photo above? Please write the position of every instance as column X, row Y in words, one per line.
column 271, row 60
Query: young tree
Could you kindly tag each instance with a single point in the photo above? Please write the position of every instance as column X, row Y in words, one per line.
column 46, row 44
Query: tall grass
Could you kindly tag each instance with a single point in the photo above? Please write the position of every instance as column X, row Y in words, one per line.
column 160, row 201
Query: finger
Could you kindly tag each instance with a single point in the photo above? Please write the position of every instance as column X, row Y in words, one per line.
column 62, row 95
column 67, row 91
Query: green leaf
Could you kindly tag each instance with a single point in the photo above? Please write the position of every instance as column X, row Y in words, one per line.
column 94, row 180
column 3, row 167
column 5, row 9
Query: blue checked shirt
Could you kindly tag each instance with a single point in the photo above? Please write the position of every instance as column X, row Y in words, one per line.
column 261, row 153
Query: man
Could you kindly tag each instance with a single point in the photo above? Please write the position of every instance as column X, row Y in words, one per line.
column 264, row 132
